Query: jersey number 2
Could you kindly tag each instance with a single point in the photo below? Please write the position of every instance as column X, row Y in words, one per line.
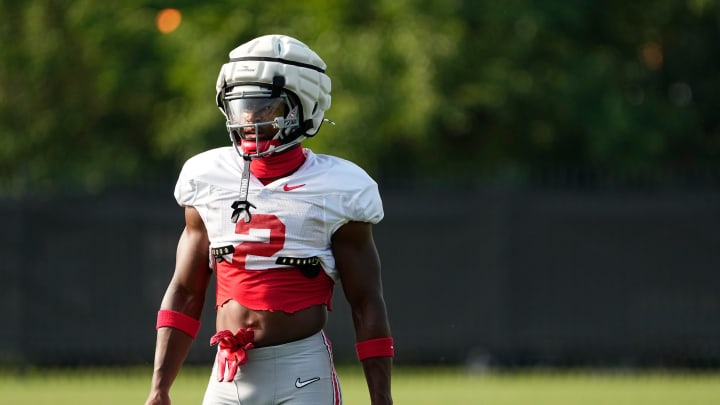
column 265, row 249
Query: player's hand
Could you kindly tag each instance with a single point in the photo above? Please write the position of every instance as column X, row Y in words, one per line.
column 233, row 351
column 158, row 398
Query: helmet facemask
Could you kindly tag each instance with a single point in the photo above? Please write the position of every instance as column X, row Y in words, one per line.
column 260, row 120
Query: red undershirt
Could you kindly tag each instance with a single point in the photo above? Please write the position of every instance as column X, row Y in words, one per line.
column 274, row 166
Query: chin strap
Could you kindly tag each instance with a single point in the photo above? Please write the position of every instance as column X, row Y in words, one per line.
column 242, row 206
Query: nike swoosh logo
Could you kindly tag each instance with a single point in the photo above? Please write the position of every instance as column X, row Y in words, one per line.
column 300, row 384
column 290, row 188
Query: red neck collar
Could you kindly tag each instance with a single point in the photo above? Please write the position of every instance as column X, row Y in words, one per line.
column 276, row 165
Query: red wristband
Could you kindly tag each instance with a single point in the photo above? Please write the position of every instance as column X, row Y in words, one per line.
column 380, row 347
column 179, row 321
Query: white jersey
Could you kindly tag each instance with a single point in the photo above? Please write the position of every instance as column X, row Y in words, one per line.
column 294, row 216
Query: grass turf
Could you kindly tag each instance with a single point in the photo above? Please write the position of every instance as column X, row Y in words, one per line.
column 416, row 386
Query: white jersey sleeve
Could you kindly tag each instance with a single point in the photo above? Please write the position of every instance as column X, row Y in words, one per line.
column 205, row 171
column 352, row 194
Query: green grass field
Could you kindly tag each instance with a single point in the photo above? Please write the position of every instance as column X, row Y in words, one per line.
column 415, row 386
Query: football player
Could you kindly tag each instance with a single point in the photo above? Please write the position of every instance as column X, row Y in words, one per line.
column 279, row 226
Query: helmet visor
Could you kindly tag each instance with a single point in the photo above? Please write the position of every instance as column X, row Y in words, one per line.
column 257, row 116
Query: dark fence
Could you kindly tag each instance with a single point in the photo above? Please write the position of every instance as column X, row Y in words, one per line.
column 495, row 277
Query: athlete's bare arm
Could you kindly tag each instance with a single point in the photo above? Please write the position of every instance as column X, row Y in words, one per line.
column 186, row 294
column 359, row 267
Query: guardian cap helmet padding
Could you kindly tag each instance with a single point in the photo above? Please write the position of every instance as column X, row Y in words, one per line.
column 275, row 66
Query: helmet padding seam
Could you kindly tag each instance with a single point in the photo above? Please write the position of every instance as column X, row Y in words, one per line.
column 280, row 60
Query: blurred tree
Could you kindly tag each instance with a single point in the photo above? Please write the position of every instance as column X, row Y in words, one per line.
column 609, row 86
column 78, row 92
column 92, row 94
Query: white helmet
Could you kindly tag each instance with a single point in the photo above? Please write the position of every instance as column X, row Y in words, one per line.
column 280, row 66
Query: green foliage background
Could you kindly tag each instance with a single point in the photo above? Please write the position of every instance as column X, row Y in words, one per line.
column 92, row 95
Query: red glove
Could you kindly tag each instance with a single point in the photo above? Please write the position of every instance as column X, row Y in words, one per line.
column 232, row 350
